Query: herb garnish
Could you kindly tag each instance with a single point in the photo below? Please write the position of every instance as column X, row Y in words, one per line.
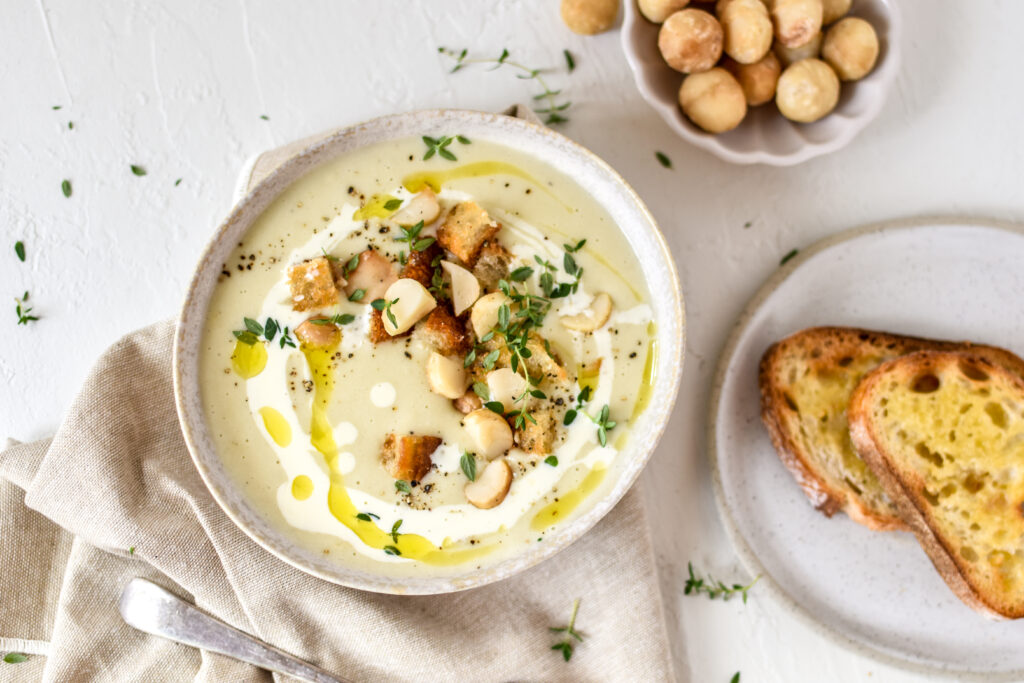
column 357, row 295
column 604, row 425
column 24, row 317
column 352, row 264
column 138, row 170
column 71, row 125
column 65, row 187
column 663, row 159
column 714, row 588
column 264, row 117
column 253, row 331
column 570, row 62
column 438, row 287
column 566, row 646
column 402, row 485
column 392, row 550
column 56, row 107
column 340, row 319
column 551, row 460
column 392, row 204
column 394, row 530
column 411, row 235
column 735, row 678
column 15, row 657
column 787, row 257
column 365, row 516
column 177, row 182
column 19, row 250
column 555, row 110
column 468, row 464
column 439, row 146
column 131, row 550
column 382, row 305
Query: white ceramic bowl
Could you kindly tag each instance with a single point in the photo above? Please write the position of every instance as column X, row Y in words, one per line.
column 765, row 136
column 608, row 188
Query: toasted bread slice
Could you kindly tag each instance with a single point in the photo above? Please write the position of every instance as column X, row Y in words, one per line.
column 944, row 433
column 806, row 381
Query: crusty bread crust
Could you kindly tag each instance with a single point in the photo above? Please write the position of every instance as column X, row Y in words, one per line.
column 904, row 488
column 832, row 345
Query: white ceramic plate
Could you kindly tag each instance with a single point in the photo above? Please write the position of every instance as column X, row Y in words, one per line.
column 943, row 278
column 765, row 136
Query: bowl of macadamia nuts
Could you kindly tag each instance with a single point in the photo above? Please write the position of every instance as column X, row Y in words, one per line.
column 764, row 81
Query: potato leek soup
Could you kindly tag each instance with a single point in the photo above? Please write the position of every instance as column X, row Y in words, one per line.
column 427, row 354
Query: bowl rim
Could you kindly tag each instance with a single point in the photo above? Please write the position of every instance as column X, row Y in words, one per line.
column 711, row 143
column 322, row 150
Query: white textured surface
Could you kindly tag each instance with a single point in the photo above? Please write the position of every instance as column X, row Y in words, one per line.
column 179, row 87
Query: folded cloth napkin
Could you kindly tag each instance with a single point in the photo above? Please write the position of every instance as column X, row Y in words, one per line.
column 115, row 495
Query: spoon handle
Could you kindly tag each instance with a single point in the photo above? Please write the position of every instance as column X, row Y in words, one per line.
column 152, row 609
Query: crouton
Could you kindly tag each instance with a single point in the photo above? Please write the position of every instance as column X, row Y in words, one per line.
column 318, row 334
column 377, row 332
column 492, row 264
column 539, row 438
column 446, row 333
column 419, row 265
column 465, row 230
column 312, row 284
column 408, row 457
column 373, row 274
column 545, row 362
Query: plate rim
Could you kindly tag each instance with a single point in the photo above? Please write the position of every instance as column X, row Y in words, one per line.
column 746, row 554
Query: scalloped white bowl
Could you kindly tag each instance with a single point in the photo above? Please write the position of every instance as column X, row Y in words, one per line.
column 765, row 136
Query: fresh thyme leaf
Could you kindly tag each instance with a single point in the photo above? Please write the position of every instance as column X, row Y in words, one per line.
column 341, row 319
column 246, row 337
column 394, row 530
column 330, row 257
column 264, row 117
column 569, row 61
column 570, row 415
column 551, row 460
column 422, row 244
column 131, row 551
column 379, row 304
column 495, row 407
column 735, row 678
column 463, row 139
column 24, row 312
column 19, row 250
column 177, row 182
column 482, row 390
column 253, row 326
column 392, row 204
column 364, row 516
column 490, row 359
column 138, row 170
column 468, row 464
column 566, row 646
column 357, row 295
column 573, row 249
column 788, row 257
column 520, row 274
column 270, row 329
column 56, row 107
column 71, row 125
column 748, row 224
column 352, row 264
column 392, row 550
column 403, row 486
column 391, row 316
column 470, row 357
column 16, row 657
column 714, row 588
column 65, row 187
column 569, row 264
column 663, row 159
column 584, row 394
column 286, row 340
column 444, row 152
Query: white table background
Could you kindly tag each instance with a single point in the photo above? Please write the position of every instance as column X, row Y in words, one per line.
column 178, row 86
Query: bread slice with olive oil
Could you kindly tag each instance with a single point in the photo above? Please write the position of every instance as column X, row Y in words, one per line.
column 806, row 381
column 944, row 434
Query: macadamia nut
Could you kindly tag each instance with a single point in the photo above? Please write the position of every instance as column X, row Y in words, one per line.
column 660, row 10
column 851, row 48
column 747, row 28
column 713, row 100
column 691, row 41
column 588, row 17
column 788, row 55
column 807, row 90
column 834, row 9
column 758, row 79
column 796, row 21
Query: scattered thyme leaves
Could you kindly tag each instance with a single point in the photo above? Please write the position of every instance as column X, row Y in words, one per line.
column 411, row 236
column 65, row 187
column 268, row 330
column 572, row 249
column 15, row 658
column 351, row 265
column 551, row 460
column 367, row 516
column 392, row 550
column 138, row 170
column 56, row 107
column 339, row 320
column 24, row 311
column 468, row 464
column 19, row 250
column 555, row 108
column 439, row 146
column 520, row 274
column 71, row 125
column 714, row 588
column 392, row 204
column 566, row 646
column 357, row 295
column 264, row 117
column 394, row 530
column 663, row 159
column 385, row 306
column 570, row 61
column 788, row 257
column 177, row 182
column 403, row 486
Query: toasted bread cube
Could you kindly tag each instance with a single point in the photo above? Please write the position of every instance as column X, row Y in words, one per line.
column 419, row 265
column 312, row 284
column 445, row 332
column 539, row 438
column 492, row 264
column 408, row 457
column 543, row 362
column 465, row 230
column 374, row 274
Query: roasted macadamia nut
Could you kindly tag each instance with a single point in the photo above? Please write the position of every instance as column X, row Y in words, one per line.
column 807, row 90
column 588, row 17
column 851, row 48
column 834, row 9
column 758, row 79
column 713, row 100
column 691, row 41
column 660, row 10
column 788, row 55
column 796, row 21
column 747, row 28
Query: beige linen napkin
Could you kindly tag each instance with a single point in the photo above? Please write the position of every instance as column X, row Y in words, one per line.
column 114, row 495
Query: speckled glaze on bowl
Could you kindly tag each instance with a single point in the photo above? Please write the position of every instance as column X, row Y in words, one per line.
column 765, row 136
column 565, row 156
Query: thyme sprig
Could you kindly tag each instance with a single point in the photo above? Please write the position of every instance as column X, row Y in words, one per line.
column 566, row 646
column 339, row 320
column 23, row 310
column 439, row 146
column 555, row 109
column 385, row 306
column 714, row 588
column 411, row 235
column 268, row 330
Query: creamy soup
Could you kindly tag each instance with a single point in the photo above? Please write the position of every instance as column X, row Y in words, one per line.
column 420, row 366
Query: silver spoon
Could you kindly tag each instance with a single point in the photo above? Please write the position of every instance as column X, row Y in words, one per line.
column 150, row 608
